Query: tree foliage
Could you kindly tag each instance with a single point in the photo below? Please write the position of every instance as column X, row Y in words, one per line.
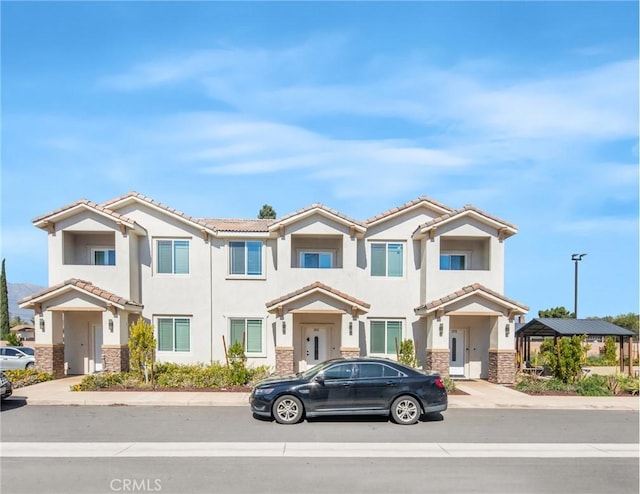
column 610, row 350
column 556, row 313
column 565, row 357
column 4, row 305
column 13, row 339
column 142, row 348
column 407, row 354
column 267, row 212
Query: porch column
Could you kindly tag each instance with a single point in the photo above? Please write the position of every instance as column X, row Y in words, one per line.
column 49, row 346
column 284, row 344
column 437, row 356
column 349, row 336
column 115, row 338
column 502, row 366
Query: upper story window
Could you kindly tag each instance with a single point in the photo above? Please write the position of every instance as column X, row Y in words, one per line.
column 173, row 256
column 386, row 337
column 316, row 259
column 249, row 333
column 245, row 258
column 174, row 334
column 387, row 259
column 454, row 261
column 103, row 256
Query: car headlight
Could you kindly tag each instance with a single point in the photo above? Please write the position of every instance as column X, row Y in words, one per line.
column 263, row 391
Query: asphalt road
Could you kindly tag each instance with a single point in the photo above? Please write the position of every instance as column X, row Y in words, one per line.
column 483, row 430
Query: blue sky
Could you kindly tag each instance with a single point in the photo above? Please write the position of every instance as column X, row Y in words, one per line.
column 527, row 110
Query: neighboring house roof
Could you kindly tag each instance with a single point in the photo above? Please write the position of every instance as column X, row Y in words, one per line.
column 239, row 225
column 318, row 208
column 134, row 196
column 505, row 229
column 318, row 287
column 83, row 287
column 23, row 327
column 421, row 201
column 467, row 291
column 45, row 221
column 548, row 326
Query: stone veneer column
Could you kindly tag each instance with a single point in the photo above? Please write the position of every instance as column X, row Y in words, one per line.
column 502, row 366
column 50, row 358
column 116, row 358
column 284, row 360
column 349, row 352
column 438, row 360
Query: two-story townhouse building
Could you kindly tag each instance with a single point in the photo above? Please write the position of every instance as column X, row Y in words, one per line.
column 296, row 290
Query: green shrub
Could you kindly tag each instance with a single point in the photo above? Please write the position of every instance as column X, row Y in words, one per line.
column 13, row 340
column 407, row 354
column 142, row 349
column 449, row 384
column 26, row 377
column 593, row 386
column 610, row 355
column 566, row 357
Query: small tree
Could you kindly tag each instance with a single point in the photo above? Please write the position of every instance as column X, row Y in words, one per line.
column 407, row 354
column 13, row 340
column 142, row 348
column 566, row 357
column 556, row 312
column 610, row 351
column 4, row 305
column 267, row 212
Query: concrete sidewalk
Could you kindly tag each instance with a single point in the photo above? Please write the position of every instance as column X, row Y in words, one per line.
column 481, row 394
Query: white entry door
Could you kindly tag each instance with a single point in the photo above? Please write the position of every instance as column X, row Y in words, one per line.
column 97, row 347
column 457, row 352
column 315, row 340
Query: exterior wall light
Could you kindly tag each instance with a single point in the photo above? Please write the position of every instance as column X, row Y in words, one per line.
column 111, row 325
column 350, row 328
column 507, row 329
column 42, row 324
column 284, row 327
column 441, row 329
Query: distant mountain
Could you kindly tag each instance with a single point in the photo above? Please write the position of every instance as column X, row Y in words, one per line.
column 18, row 291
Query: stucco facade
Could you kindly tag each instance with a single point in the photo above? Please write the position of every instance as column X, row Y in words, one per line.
column 296, row 290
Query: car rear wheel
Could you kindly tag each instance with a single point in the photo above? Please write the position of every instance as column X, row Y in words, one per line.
column 29, row 365
column 288, row 410
column 405, row 410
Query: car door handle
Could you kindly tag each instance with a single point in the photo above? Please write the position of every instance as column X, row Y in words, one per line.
column 390, row 383
column 347, row 384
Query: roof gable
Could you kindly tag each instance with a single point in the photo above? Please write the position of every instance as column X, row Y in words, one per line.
column 318, row 209
column 421, row 202
column 470, row 291
column 504, row 229
column 318, row 287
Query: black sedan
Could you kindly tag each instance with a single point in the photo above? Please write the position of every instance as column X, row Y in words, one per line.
column 353, row 386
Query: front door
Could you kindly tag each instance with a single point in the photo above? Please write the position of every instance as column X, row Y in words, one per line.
column 457, row 351
column 315, row 340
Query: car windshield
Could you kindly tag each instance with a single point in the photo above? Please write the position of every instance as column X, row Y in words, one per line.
column 27, row 350
column 312, row 371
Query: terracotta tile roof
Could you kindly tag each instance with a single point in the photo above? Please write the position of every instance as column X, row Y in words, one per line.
column 317, row 286
column 317, row 205
column 159, row 205
column 92, row 205
column 476, row 287
column 87, row 287
column 238, row 224
column 406, row 205
column 457, row 212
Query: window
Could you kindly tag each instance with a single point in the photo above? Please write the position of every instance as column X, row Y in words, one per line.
column 370, row 371
column 340, row 371
column 247, row 332
column 387, row 259
column 322, row 260
column 173, row 256
column 385, row 336
column 453, row 262
column 174, row 334
column 245, row 258
column 103, row 256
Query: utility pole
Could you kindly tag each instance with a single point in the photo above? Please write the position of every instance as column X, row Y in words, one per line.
column 576, row 258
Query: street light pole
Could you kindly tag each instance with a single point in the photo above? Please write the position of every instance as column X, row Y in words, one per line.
column 576, row 258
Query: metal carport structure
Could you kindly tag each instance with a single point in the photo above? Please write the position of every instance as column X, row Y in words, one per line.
column 557, row 327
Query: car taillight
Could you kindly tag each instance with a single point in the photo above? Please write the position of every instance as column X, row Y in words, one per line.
column 439, row 382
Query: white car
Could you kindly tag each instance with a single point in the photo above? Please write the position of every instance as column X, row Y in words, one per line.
column 12, row 358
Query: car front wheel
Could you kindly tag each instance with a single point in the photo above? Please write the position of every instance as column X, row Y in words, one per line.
column 288, row 410
column 405, row 410
column 29, row 365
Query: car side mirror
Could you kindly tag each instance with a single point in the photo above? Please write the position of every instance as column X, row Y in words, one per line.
column 319, row 379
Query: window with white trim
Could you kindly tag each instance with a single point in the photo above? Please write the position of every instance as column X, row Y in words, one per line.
column 245, row 258
column 385, row 337
column 387, row 259
column 172, row 256
column 454, row 261
column 174, row 334
column 103, row 256
column 316, row 259
column 247, row 332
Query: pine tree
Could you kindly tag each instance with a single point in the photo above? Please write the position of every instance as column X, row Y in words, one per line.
column 267, row 212
column 4, row 305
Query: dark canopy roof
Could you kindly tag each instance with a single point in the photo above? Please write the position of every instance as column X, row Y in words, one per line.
column 569, row 327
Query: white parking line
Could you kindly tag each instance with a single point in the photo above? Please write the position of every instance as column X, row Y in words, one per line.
column 317, row 450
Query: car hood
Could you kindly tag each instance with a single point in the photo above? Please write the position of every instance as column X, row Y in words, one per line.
column 273, row 381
